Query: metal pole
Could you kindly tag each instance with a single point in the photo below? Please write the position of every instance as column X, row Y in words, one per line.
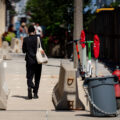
column 84, row 60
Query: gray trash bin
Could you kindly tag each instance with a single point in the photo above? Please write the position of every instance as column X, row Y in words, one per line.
column 101, row 95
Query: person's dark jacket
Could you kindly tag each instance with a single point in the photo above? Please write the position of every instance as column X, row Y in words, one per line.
column 30, row 47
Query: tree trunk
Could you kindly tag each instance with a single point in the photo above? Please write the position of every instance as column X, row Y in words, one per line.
column 78, row 26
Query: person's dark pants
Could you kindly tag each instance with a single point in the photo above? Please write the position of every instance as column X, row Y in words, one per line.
column 33, row 70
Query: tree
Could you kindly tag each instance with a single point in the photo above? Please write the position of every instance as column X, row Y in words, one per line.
column 115, row 4
column 53, row 14
column 47, row 12
column 78, row 25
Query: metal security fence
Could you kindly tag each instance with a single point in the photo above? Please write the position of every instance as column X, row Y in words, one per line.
column 107, row 26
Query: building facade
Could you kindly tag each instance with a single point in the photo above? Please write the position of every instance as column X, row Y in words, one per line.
column 20, row 10
column 2, row 18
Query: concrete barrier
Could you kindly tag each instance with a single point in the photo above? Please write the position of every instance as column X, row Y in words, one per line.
column 3, row 87
column 16, row 45
column 4, row 51
column 81, row 93
column 65, row 93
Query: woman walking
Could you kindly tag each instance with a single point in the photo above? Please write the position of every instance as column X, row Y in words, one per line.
column 33, row 69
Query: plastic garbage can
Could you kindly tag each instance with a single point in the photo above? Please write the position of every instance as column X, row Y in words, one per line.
column 101, row 95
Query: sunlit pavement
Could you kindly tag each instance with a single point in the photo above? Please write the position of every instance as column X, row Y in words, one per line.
column 20, row 108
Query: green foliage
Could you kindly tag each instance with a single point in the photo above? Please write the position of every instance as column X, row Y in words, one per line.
column 47, row 12
column 88, row 18
column 52, row 14
column 12, row 12
column 115, row 4
column 45, row 43
column 9, row 36
column 86, row 2
column 53, row 28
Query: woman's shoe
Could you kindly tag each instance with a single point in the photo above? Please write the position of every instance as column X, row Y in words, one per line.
column 35, row 96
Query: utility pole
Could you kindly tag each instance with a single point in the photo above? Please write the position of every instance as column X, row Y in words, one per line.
column 78, row 27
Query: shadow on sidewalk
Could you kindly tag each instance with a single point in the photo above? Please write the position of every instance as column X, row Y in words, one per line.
column 84, row 115
column 60, row 111
column 89, row 116
column 19, row 96
column 53, row 65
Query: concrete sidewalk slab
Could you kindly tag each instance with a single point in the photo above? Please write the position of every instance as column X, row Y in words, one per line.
column 50, row 115
column 19, row 108
column 16, row 79
column 23, row 115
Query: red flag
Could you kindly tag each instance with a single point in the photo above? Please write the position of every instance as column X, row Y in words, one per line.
column 96, row 46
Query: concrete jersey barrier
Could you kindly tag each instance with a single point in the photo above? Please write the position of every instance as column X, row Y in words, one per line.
column 65, row 93
column 3, row 87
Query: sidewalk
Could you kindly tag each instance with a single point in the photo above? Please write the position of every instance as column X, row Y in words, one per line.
column 19, row 108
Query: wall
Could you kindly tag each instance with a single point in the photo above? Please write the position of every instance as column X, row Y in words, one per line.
column 2, row 18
